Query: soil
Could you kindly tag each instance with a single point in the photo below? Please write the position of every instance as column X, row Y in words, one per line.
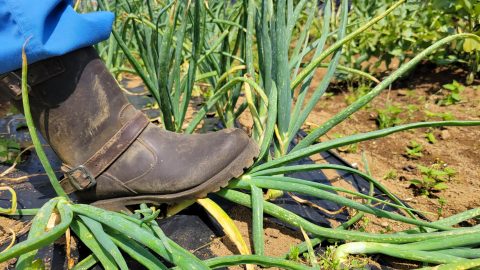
column 455, row 147
column 278, row 239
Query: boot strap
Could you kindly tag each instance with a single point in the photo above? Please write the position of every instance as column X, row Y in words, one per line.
column 83, row 177
column 11, row 83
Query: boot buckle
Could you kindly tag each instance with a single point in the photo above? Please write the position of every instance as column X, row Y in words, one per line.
column 11, row 83
column 80, row 178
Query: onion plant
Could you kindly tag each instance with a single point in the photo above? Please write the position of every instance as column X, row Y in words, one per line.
column 173, row 45
column 107, row 233
column 278, row 117
column 253, row 56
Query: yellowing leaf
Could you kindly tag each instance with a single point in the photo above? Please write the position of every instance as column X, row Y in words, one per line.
column 13, row 207
column 177, row 208
column 228, row 226
column 12, row 242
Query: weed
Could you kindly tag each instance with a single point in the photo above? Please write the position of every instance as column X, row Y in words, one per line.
column 351, row 148
column 453, row 95
column 327, row 260
column 430, row 137
column 411, row 109
column 414, row 150
column 364, row 224
column 391, row 175
column 307, row 257
column 9, row 150
column 294, row 254
column 357, row 262
column 356, row 93
column 411, row 93
column 389, row 116
column 387, row 229
column 442, row 201
column 434, row 178
column 444, row 116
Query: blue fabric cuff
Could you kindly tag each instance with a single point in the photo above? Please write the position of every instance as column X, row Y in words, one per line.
column 51, row 27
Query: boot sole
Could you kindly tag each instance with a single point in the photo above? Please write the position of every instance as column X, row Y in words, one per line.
column 234, row 170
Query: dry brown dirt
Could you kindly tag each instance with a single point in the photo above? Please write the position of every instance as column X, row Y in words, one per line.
column 456, row 147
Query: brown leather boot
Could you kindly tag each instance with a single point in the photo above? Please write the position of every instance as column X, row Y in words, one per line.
column 113, row 155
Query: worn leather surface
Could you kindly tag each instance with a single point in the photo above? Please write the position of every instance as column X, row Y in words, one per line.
column 78, row 111
column 81, row 109
column 162, row 162
column 83, row 177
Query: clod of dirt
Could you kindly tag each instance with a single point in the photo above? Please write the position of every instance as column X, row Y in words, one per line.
column 409, row 168
column 445, row 135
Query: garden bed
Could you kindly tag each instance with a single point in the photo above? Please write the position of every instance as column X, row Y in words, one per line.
column 455, row 147
column 216, row 64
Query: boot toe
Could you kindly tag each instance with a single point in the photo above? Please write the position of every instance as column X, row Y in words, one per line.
column 200, row 162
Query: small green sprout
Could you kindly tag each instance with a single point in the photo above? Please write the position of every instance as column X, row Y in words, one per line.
column 294, row 254
column 414, row 150
column 430, row 137
column 327, row 260
column 411, row 109
column 351, row 148
column 444, row 116
column 387, row 229
column 356, row 93
column 443, row 202
column 9, row 150
column 389, row 116
column 453, row 95
column 434, row 178
column 391, row 175
column 364, row 224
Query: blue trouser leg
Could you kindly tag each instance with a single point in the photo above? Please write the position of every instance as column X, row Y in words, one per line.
column 51, row 27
